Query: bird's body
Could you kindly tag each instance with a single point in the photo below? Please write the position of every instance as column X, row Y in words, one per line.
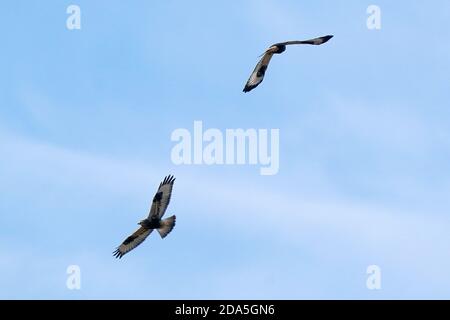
column 153, row 221
column 277, row 49
column 258, row 73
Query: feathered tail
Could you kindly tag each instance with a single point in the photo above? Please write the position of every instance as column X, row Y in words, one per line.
column 167, row 226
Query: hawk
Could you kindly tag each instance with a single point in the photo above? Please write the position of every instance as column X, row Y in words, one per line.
column 257, row 75
column 153, row 221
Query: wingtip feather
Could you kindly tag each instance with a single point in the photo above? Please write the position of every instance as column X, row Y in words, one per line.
column 248, row 88
column 170, row 179
column 117, row 254
column 327, row 38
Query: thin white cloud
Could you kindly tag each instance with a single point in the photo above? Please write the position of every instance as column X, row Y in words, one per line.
column 401, row 239
column 37, row 159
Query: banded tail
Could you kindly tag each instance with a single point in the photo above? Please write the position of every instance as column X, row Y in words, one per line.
column 167, row 226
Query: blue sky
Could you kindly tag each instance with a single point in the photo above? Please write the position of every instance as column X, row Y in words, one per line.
column 85, row 123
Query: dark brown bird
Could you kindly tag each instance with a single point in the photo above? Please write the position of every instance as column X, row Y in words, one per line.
column 257, row 75
column 153, row 221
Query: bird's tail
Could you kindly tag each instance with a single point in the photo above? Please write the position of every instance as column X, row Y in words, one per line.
column 167, row 226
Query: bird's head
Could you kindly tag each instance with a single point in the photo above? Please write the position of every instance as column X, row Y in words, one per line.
column 279, row 48
column 141, row 222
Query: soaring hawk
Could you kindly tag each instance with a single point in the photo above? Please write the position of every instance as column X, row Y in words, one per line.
column 257, row 75
column 153, row 221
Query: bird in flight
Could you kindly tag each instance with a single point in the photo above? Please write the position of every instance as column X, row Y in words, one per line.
column 257, row 75
column 153, row 221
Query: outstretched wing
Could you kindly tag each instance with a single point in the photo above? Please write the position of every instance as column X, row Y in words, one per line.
column 132, row 242
column 315, row 41
column 162, row 198
column 258, row 73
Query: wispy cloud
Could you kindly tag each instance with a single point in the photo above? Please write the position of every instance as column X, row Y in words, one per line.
column 314, row 225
